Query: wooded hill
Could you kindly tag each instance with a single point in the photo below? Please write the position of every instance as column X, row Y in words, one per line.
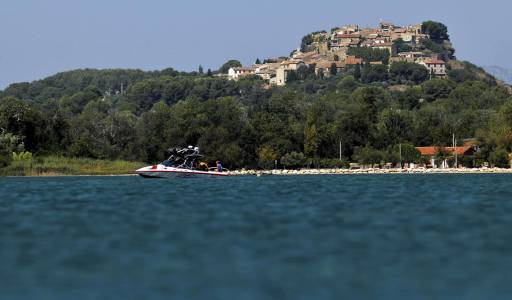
column 136, row 115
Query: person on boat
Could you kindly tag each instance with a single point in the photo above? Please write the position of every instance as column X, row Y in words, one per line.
column 219, row 166
column 203, row 166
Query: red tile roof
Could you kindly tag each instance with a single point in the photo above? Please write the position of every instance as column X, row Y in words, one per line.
column 352, row 60
column 435, row 62
column 431, row 151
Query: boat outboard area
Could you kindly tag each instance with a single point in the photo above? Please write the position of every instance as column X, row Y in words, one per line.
column 182, row 162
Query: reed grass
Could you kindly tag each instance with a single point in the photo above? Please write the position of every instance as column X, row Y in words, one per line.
column 60, row 165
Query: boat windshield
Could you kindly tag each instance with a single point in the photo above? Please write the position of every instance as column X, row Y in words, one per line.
column 169, row 163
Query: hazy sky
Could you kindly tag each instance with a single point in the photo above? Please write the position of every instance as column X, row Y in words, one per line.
column 42, row 37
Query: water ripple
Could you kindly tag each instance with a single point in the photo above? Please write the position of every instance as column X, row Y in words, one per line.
column 308, row 237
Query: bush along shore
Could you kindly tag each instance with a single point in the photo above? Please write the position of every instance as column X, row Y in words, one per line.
column 60, row 166
column 25, row 165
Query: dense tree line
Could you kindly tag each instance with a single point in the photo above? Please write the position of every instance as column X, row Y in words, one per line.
column 136, row 115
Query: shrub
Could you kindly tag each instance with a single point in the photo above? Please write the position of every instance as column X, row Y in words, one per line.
column 499, row 158
column 293, row 160
column 327, row 163
column 368, row 155
column 22, row 156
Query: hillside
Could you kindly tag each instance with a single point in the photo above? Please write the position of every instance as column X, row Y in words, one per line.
column 247, row 121
column 500, row 73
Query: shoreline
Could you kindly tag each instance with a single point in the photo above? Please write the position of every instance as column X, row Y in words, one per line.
column 370, row 171
column 304, row 172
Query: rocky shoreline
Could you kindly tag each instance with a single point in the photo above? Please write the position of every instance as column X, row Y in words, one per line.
column 371, row 171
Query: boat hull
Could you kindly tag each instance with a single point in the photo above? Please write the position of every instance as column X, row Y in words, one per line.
column 160, row 171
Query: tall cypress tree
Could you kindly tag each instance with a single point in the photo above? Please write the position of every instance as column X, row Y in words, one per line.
column 357, row 72
column 333, row 69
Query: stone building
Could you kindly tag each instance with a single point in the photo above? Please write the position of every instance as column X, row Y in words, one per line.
column 436, row 67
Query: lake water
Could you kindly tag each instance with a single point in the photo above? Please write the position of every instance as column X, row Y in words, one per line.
column 311, row 237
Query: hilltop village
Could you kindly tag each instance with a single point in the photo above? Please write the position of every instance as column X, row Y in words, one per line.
column 350, row 48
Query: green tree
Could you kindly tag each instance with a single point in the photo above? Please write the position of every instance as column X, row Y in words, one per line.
column 292, row 76
column 200, row 69
column 267, row 155
column 402, row 46
column 353, row 129
column 368, row 54
column 394, row 127
column 143, row 95
column 377, row 73
column 19, row 118
column 293, row 160
column 220, row 135
column 75, row 104
column 357, row 72
column 333, row 70
column 311, row 139
column 320, row 130
column 102, row 132
column 368, row 156
column 348, row 84
column 302, row 72
column 228, row 65
column 153, row 133
column 279, row 123
column 439, row 41
column 499, row 158
column 438, row 32
column 435, row 89
column 8, row 144
column 407, row 73
column 433, row 125
column 410, row 99
column 409, row 153
column 306, row 41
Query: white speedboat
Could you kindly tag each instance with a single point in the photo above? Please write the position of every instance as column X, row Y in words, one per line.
column 181, row 162
column 162, row 171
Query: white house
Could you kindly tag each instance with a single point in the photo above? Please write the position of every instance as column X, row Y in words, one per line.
column 436, row 67
column 237, row 72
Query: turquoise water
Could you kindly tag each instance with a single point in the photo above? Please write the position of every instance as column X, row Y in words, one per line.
column 313, row 237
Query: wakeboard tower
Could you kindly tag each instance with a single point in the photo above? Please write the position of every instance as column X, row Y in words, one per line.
column 181, row 162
